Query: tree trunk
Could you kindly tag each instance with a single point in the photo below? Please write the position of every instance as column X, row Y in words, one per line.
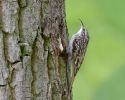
column 33, row 58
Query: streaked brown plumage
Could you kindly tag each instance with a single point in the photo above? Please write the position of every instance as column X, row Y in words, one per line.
column 77, row 49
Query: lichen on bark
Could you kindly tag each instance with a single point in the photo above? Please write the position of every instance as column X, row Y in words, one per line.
column 33, row 57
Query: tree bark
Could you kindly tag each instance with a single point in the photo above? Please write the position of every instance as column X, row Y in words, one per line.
column 33, row 58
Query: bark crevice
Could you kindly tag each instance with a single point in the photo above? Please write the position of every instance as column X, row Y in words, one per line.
column 33, row 64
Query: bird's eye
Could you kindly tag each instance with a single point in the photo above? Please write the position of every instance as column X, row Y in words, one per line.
column 83, row 29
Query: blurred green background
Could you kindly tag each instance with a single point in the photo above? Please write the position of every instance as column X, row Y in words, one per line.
column 102, row 75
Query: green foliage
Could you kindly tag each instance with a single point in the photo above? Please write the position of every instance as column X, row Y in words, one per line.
column 101, row 76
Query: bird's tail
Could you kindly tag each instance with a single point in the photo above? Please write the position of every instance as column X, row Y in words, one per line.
column 71, row 82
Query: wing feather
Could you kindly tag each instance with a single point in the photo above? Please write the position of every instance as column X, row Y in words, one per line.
column 79, row 46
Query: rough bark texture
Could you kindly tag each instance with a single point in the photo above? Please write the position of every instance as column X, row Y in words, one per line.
column 33, row 58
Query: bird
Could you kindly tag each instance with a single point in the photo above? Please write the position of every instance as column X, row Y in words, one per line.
column 77, row 50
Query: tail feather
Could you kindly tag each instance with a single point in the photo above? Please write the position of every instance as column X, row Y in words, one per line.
column 71, row 82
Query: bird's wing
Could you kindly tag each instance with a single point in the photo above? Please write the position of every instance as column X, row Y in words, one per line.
column 79, row 46
column 78, row 52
